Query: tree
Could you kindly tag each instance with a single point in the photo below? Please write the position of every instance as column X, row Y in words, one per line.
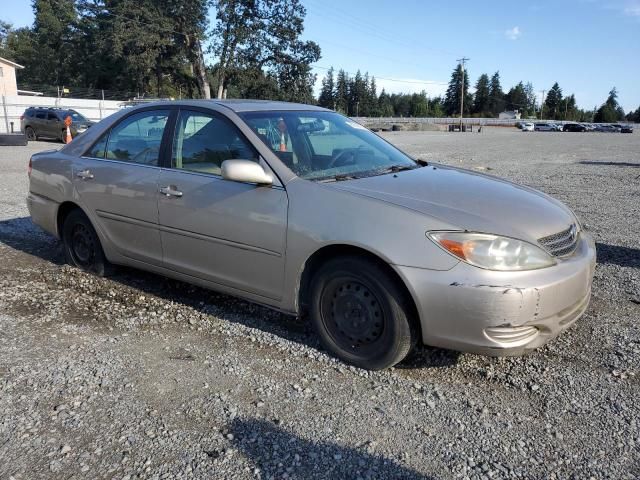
column 532, row 101
column 263, row 34
column 453, row 95
column 481, row 96
column 385, row 106
column 357, row 94
column 496, row 95
column 516, row 98
column 610, row 111
column 342, row 92
column 419, row 106
column 372, row 98
column 327, row 92
column 634, row 116
column 553, row 102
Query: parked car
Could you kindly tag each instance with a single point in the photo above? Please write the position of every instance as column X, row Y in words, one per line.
column 544, row 127
column 623, row 128
column 573, row 127
column 304, row 210
column 557, row 127
column 48, row 122
column 606, row 128
column 528, row 127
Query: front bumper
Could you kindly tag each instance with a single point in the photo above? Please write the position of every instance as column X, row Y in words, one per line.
column 501, row 313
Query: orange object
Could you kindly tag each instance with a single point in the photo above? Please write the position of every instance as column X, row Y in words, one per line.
column 67, row 123
column 283, row 143
column 457, row 248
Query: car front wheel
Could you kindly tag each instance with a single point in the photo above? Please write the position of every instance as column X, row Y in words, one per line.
column 361, row 313
column 82, row 246
column 31, row 134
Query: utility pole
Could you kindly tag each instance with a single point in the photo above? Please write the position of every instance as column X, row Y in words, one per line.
column 542, row 104
column 462, row 61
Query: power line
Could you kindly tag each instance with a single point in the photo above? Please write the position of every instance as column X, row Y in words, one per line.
column 419, row 82
column 369, row 28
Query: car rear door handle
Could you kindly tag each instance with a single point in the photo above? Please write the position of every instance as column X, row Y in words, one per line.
column 85, row 175
column 170, row 191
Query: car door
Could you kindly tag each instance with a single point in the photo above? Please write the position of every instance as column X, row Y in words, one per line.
column 39, row 123
column 53, row 125
column 117, row 182
column 222, row 231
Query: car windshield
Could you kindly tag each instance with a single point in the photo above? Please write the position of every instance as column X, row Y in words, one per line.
column 326, row 145
column 75, row 116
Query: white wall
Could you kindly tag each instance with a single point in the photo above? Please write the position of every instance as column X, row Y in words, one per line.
column 13, row 106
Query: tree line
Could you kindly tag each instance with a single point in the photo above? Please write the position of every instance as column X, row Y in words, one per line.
column 255, row 50
column 159, row 47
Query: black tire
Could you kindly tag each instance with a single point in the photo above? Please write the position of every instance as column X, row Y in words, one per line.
column 361, row 314
column 31, row 134
column 82, row 246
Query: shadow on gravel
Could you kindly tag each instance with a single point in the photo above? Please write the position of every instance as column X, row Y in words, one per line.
column 614, row 164
column 429, row 357
column 275, row 452
column 615, row 255
column 21, row 234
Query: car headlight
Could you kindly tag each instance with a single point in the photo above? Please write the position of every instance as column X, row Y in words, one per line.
column 493, row 252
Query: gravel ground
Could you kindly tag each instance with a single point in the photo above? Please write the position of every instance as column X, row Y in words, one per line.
column 138, row 376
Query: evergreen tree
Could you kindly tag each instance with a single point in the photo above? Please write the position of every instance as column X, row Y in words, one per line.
column 372, row 95
column 610, row 111
column 342, row 92
column 496, row 95
column 516, row 98
column 481, row 96
column 385, row 106
column 634, row 116
column 452, row 97
column 553, row 102
column 327, row 92
column 357, row 95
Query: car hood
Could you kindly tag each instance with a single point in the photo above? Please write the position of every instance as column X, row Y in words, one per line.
column 466, row 200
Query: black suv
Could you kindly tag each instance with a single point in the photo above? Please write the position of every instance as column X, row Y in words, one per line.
column 48, row 122
column 574, row 127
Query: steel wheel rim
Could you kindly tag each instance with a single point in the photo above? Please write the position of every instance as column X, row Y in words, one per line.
column 31, row 134
column 352, row 314
column 82, row 245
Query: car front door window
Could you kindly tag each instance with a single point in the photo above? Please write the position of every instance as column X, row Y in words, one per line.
column 203, row 141
column 137, row 138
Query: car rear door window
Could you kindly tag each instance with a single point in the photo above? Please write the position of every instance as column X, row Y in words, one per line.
column 203, row 141
column 41, row 115
column 135, row 139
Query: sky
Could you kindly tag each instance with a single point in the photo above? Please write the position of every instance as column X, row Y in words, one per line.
column 587, row 46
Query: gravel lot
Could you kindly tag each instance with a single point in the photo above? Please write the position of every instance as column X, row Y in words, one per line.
column 138, row 376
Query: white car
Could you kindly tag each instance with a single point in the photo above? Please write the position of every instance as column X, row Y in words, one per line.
column 528, row 127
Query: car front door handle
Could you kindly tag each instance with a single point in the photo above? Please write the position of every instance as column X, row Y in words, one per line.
column 170, row 191
column 85, row 175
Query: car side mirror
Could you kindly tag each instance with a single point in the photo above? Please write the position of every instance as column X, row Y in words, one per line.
column 246, row 171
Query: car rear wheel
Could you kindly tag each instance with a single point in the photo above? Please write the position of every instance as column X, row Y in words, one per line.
column 361, row 314
column 82, row 246
column 31, row 134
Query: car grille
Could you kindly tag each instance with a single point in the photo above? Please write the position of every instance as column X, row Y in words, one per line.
column 562, row 243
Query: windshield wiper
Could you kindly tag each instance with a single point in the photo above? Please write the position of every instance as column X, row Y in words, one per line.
column 337, row 178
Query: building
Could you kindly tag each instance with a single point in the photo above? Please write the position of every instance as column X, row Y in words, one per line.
column 509, row 115
column 8, row 82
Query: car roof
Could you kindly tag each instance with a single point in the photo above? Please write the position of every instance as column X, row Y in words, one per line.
column 241, row 105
